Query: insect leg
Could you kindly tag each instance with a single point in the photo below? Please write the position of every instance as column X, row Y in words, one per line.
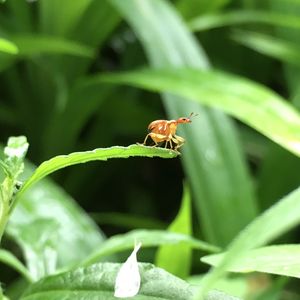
column 146, row 138
column 178, row 140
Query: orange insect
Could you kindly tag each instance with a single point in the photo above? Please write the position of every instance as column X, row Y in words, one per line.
column 165, row 131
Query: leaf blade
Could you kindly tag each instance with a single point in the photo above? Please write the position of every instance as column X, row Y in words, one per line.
column 276, row 259
column 258, row 106
column 149, row 238
column 167, row 255
column 63, row 161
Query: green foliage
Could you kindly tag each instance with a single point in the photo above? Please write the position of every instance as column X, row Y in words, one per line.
column 69, row 83
column 99, row 282
column 258, row 107
column 177, row 259
column 214, row 174
column 277, row 259
column 149, row 238
column 9, row 259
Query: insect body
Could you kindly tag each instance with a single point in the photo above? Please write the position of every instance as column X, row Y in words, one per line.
column 165, row 131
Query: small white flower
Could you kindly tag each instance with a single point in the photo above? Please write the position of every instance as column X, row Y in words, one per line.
column 128, row 279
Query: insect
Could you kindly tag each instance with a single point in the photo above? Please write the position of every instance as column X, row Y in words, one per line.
column 165, row 131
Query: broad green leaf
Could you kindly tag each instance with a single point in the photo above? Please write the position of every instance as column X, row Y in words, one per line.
column 7, row 46
column 148, row 238
column 9, row 259
column 39, row 242
column 45, row 204
column 277, row 259
column 221, row 19
column 275, row 221
column 176, row 259
column 215, row 167
column 47, row 201
column 97, row 282
column 283, row 50
column 29, row 45
column 74, row 158
column 252, row 103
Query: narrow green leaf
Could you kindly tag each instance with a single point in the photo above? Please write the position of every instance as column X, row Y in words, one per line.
column 148, row 238
column 62, row 161
column 221, row 19
column 277, row 259
column 275, row 221
column 97, row 282
column 283, row 50
column 29, row 45
column 59, row 18
column 248, row 101
column 9, row 259
column 215, row 167
column 7, row 46
column 176, row 259
column 191, row 8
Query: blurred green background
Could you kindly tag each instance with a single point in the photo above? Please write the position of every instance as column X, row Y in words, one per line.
column 50, row 51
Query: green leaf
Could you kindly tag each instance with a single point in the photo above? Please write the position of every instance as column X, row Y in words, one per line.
column 248, row 101
column 62, row 161
column 176, row 259
column 7, row 46
column 215, row 167
column 46, row 201
column 191, row 8
column 29, row 45
column 38, row 240
column 59, row 18
column 9, row 259
column 148, row 238
column 275, row 221
column 221, row 19
column 97, row 282
column 277, row 259
column 283, row 50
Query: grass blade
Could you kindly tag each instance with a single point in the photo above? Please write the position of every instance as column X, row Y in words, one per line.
column 41, row 44
column 7, row 46
column 177, row 259
column 149, row 238
column 9, row 259
column 277, row 48
column 277, row 259
column 275, row 221
column 212, row 182
column 250, row 102
column 215, row 20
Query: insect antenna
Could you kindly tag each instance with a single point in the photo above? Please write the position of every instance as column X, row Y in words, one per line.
column 192, row 115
